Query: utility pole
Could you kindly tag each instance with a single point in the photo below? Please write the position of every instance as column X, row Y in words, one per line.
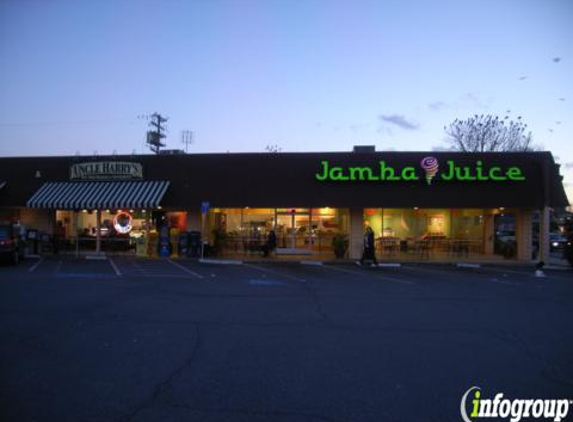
column 154, row 137
column 187, row 138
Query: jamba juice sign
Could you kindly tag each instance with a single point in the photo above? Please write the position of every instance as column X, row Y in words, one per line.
column 431, row 170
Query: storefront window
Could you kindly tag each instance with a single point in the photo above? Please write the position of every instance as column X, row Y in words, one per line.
column 424, row 232
column 246, row 229
column 119, row 230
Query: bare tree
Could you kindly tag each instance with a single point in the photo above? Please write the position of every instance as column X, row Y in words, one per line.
column 488, row 134
column 273, row 149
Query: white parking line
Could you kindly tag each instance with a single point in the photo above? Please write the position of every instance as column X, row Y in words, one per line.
column 396, row 280
column 36, row 265
column 183, row 276
column 58, row 267
column 117, row 272
column 343, row 270
column 504, row 270
column 507, row 283
column 266, row 270
column 187, row 270
column 362, row 274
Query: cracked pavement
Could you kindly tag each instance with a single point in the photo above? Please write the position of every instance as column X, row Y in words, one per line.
column 277, row 343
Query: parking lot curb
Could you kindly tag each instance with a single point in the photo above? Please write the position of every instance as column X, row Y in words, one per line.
column 558, row 267
column 315, row 263
column 96, row 257
column 467, row 265
column 220, row 261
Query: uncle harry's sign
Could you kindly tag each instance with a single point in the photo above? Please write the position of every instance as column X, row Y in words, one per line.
column 106, row 170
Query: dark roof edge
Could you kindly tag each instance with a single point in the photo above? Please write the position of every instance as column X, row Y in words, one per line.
column 263, row 153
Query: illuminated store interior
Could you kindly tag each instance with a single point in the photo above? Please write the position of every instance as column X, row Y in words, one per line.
column 310, row 229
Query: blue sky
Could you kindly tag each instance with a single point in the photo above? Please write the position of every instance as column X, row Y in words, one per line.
column 304, row 75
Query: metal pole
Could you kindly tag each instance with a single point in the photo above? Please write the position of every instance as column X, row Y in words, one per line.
column 202, row 234
column 147, row 230
column 293, row 229
column 276, row 221
column 310, row 229
column 77, row 235
column 98, row 230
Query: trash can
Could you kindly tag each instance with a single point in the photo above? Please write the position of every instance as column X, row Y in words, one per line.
column 46, row 242
column 194, row 248
column 33, row 241
column 183, row 244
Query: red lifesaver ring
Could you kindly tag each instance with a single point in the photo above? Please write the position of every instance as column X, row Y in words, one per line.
column 123, row 222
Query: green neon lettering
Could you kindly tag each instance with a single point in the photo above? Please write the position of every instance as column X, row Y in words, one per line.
column 409, row 173
column 364, row 173
column 336, row 173
column 514, row 173
column 464, row 173
column 495, row 174
column 322, row 177
column 449, row 173
column 387, row 173
column 479, row 171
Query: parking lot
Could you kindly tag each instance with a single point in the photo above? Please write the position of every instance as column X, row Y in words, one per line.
column 130, row 339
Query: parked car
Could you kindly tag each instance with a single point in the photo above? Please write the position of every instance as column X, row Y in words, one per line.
column 568, row 251
column 11, row 247
column 556, row 242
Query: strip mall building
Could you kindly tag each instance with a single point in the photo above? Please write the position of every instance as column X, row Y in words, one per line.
column 421, row 205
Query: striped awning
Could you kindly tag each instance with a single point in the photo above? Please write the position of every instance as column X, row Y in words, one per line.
column 99, row 195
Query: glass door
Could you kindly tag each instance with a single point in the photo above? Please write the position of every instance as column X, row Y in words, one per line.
column 293, row 228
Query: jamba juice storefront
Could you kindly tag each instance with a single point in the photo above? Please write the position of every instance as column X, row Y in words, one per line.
column 298, row 231
column 420, row 205
column 428, row 233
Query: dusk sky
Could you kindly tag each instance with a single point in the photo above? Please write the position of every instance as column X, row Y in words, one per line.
column 304, row 75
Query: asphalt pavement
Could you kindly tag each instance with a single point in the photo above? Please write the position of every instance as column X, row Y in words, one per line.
column 132, row 340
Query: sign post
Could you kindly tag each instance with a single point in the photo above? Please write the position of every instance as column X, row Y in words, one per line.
column 98, row 232
column 77, row 234
column 205, row 206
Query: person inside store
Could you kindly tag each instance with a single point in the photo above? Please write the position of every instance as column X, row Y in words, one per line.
column 369, row 252
column 271, row 243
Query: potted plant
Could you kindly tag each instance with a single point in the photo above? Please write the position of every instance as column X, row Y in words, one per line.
column 340, row 245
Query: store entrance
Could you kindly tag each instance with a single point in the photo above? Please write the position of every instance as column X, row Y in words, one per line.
column 244, row 231
column 293, row 228
column 504, row 240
